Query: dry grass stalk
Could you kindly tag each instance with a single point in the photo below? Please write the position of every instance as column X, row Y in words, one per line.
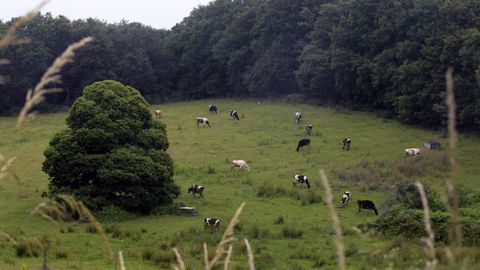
column 179, row 259
column 205, row 256
column 64, row 208
column 10, row 38
column 251, row 264
column 430, row 241
column 4, row 166
column 227, row 259
column 227, row 238
column 335, row 222
column 51, row 76
column 453, row 181
column 121, row 261
column 8, row 237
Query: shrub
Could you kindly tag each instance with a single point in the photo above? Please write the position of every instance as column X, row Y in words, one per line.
column 113, row 152
column 90, row 228
column 28, row 247
column 407, row 194
column 114, row 213
column 61, row 254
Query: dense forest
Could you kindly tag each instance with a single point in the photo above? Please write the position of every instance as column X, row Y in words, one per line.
column 387, row 56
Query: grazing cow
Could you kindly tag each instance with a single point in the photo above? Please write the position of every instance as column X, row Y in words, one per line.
column 411, row 152
column 345, row 198
column 366, row 204
column 346, row 144
column 202, row 120
column 241, row 164
column 298, row 117
column 302, row 143
column 196, row 189
column 158, row 113
column 212, row 108
column 234, row 114
column 212, row 223
column 300, row 179
column 308, row 129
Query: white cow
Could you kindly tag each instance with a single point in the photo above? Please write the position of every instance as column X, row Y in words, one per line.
column 203, row 120
column 411, row 152
column 158, row 113
column 345, row 198
column 298, row 117
column 241, row 164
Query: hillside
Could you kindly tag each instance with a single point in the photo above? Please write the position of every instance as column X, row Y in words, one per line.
column 289, row 228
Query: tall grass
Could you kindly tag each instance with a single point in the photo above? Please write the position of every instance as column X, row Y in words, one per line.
column 430, row 241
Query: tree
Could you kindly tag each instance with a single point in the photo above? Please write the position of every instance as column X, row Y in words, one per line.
column 113, row 152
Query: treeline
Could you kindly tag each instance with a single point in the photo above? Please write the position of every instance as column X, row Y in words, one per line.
column 388, row 56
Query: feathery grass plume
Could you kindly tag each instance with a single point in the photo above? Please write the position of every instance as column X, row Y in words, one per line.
column 251, row 264
column 4, row 166
column 227, row 259
column 335, row 222
column 51, row 76
column 453, row 180
column 227, row 238
column 179, row 259
column 65, row 208
column 430, row 241
column 10, row 38
column 121, row 261
column 8, row 237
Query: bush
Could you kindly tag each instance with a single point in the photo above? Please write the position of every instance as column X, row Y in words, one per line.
column 407, row 194
column 114, row 213
column 279, row 220
column 258, row 232
column 113, row 152
column 28, row 247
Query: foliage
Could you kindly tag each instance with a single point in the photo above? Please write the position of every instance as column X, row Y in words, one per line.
column 388, row 56
column 113, row 152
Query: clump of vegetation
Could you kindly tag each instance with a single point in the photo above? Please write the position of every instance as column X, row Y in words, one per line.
column 28, row 247
column 258, row 232
column 113, row 152
column 381, row 173
column 279, row 220
column 291, row 231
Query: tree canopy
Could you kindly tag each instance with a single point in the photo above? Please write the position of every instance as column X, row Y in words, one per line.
column 386, row 56
column 113, row 151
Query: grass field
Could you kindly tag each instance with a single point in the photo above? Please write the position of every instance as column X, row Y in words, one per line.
column 286, row 230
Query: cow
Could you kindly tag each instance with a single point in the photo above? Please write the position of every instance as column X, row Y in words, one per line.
column 411, row 152
column 234, row 114
column 298, row 117
column 308, row 129
column 241, row 164
column 366, row 204
column 302, row 143
column 212, row 223
column 196, row 189
column 212, row 108
column 202, row 120
column 346, row 144
column 158, row 113
column 300, row 179
column 345, row 198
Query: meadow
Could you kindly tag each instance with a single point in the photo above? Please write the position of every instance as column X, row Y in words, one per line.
column 288, row 228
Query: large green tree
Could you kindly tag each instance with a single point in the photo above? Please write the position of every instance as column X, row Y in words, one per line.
column 113, row 151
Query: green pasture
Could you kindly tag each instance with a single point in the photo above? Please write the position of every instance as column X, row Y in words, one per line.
column 266, row 137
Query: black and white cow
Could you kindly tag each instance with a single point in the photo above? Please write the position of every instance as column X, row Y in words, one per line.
column 203, row 120
column 212, row 108
column 345, row 198
column 234, row 114
column 366, row 204
column 308, row 129
column 212, row 222
column 302, row 143
column 346, row 144
column 196, row 189
column 300, row 179
column 298, row 117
